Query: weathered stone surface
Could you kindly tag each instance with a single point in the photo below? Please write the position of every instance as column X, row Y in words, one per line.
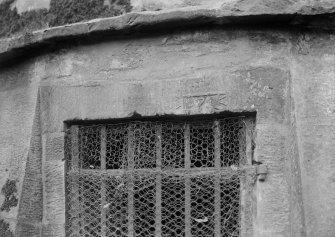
column 216, row 71
column 239, row 5
column 30, row 212
column 149, row 5
column 18, row 95
column 313, row 14
column 284, row 76
column 54, row 195
column 53, row 187
column 313, row 91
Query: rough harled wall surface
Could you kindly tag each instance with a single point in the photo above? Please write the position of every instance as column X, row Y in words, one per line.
column 313, row 71
column 183, row 73
column 197, row 72
column 18, row 97
column 297, row 217
column 30, row 211
column 20, row 17
column 286, row 77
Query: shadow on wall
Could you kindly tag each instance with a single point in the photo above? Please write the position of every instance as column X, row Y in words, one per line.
column 4, row 230
column 9, row 190
column 61, row 12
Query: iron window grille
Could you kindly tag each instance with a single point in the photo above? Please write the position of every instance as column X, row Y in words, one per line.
column 159, row 178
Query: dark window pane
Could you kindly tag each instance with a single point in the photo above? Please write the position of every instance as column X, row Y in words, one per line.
column 202, row 145
column 173, row 206
column 117, row 147
column 92, row 192
column 144, row 145
column 231, row 142
column 202, row 206
column 230, row 207
column 90, row 147
column 90, row 206
column 116, row 206
column 173, row 146
column 144, row 205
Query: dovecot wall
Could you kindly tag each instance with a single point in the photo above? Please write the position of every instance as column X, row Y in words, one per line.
column 190, row 61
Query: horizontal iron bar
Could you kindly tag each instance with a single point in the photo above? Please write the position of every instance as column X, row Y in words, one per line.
column 234, row 170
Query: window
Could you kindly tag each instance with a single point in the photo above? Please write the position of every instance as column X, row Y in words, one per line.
column 158, row 178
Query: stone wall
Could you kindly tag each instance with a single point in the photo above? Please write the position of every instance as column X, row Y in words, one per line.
column 18, row 98
column 19, row 17
column 314, row 94
column 200, row 72
column 286, row 76
column 242, row 69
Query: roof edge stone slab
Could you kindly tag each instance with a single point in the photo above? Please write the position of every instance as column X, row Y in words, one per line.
column 318, row 17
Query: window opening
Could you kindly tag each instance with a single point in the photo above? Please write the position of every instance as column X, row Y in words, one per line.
column 158, row 178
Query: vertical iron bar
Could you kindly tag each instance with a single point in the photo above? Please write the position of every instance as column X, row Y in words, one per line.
column 245, row 159
column 158, row 221
column 103, row 146
column 75, row 194
column 130, row 179
column 74, row 147
column 187, row 181
column 248, row 137
column 217, row 155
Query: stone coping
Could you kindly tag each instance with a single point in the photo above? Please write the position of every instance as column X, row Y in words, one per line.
column 316, row 17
